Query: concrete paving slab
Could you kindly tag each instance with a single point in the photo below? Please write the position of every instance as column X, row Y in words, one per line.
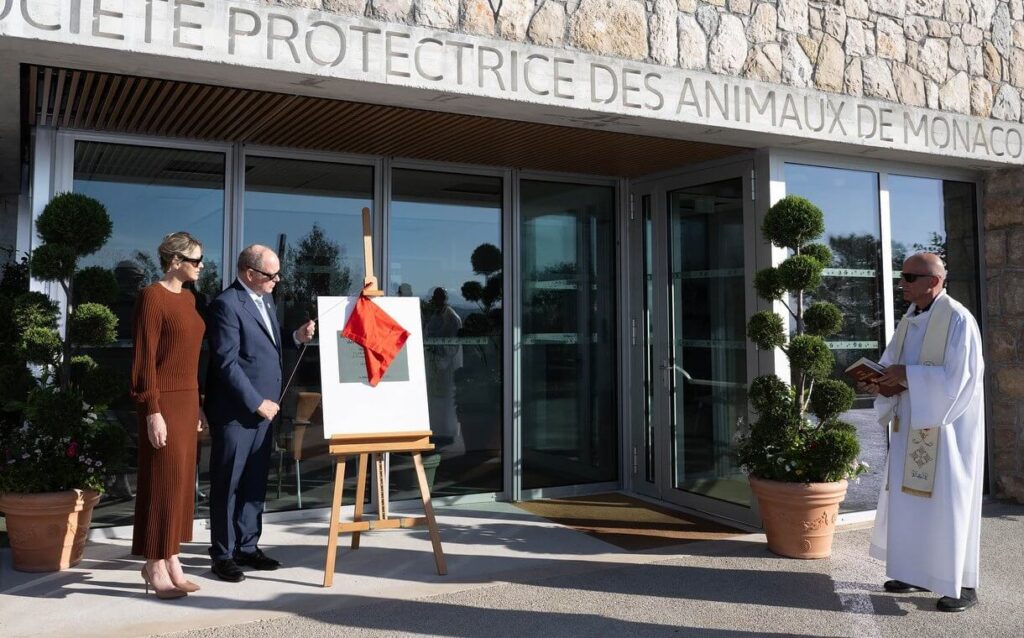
column 513, row 574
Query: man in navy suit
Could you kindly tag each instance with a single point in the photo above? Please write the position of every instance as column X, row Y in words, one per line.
column 243, row 386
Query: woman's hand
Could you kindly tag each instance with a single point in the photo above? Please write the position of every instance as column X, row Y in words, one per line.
column 156, row 429
column 203, row 423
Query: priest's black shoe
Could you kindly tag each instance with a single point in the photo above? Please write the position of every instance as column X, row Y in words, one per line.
column 900, row 587
column 968, row 598
column 257, row 560
column 228, row 570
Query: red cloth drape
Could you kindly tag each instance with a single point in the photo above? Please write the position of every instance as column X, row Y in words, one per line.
column 380, row 336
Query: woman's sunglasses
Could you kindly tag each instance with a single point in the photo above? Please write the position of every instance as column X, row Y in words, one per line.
column 195, row 261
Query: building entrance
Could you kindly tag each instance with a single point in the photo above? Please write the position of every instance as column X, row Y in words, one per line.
column 692, row 241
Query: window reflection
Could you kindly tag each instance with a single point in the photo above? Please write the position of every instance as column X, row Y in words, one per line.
column 569, row 407
column 935, row 216
column 148, row 192
column 708, row 328
column 850, row 202
column 445, row 248
column 310, row 214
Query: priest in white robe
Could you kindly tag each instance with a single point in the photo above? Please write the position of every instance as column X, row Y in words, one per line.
column 927, row 526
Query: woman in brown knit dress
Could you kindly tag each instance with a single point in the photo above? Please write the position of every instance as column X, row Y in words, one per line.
column 165, row 386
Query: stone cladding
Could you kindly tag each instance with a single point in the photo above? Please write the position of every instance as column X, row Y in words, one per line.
column 960, row 56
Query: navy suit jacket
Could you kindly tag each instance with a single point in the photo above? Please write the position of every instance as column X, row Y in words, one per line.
column 245, row 364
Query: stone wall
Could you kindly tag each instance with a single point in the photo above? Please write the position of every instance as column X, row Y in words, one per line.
column 1004, row 257
column 964, row 56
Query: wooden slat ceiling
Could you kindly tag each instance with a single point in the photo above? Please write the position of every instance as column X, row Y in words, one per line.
column 149, row 106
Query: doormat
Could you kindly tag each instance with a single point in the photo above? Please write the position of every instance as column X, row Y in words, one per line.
column 627, row 522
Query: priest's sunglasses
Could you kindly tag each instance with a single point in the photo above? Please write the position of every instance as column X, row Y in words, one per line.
column 271, row 277
column 195, row 261
column 911, row 277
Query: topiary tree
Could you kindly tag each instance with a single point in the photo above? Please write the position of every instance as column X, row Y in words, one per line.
column 53, row 432
column 784, row 443
column 73, row 226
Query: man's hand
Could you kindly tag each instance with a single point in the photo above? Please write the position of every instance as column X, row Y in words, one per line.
column 202, row 421
column 868, row 388
column 268, row 409
column 894, row 375
column 305, row 332
column 156, row 430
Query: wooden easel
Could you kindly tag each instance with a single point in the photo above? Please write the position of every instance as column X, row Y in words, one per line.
column 363, row 445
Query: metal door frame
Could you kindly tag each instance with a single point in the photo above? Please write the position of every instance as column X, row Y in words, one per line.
column 657, row 189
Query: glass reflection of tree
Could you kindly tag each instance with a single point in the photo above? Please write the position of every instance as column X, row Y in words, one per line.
column 546, row 309
column 317, row 266
column 478, row 382
column 936, row 244
column 149, row 267
column 209, row 280
column 854, row 296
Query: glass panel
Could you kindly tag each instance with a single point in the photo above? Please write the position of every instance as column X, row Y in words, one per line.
column 849, row 200
column 937, row 216
column 445, row 247
column 569, row 407
column 708, row 333
column 148, row 192
column 650, row 366
column 310, row 214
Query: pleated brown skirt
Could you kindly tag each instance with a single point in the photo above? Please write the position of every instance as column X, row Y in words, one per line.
column 165, row 498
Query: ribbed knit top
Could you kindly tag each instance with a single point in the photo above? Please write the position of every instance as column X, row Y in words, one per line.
column 168, row 336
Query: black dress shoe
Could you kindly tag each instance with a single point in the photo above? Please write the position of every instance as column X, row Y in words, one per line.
column 257, row 560
column 228, row 570
column 900, row 587
column 968, row 598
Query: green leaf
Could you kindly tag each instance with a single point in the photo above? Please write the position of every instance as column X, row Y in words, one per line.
column 93, row 324
column 76, row 221
column 800, row 272
column 823, row 319
column 810, row 354
column 766, row 330
column 792, row 222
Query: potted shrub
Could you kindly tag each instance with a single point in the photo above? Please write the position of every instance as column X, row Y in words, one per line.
column 57, row 448
column 797, row 452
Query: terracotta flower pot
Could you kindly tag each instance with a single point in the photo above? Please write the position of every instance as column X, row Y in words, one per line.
column 47, row 531
column 799, row 518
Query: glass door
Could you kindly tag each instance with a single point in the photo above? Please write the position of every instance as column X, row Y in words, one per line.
column 694, row 245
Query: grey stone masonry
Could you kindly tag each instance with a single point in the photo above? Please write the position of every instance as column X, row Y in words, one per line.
column 1004, row 335
column 959, row 56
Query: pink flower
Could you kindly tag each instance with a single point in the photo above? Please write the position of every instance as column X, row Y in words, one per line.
column 72, row 450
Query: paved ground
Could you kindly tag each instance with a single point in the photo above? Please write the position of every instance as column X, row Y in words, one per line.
column 512, row 574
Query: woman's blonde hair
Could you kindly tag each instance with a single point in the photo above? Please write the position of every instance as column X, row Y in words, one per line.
column 176, row 245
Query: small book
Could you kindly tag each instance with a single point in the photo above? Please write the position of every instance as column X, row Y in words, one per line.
column 865, row 370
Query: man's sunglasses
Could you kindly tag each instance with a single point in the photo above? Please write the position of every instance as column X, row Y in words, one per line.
column 195, row 261
column 911, row 277
column 271, row 277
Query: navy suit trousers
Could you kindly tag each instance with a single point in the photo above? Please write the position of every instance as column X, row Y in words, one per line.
column 239, row 466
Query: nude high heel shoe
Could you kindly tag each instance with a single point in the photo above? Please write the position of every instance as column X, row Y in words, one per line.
column 163, row 594
column 187, row 586
column 184, row 585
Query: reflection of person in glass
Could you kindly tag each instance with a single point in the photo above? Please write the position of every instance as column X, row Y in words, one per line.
column 165, row 372
column 443, row 358
column 130, row 277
